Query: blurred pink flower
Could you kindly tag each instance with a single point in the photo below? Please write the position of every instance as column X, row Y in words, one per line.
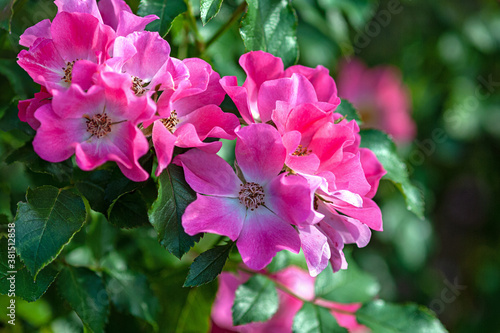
column 299, row 282
column 380, row 97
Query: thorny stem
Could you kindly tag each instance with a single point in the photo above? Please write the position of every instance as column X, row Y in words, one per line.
column 236, row 15
column 287, row 290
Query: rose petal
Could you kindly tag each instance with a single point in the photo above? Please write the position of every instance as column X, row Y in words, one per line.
column 56, row 138
column 260, row 67
column 209, row 174
column 222, row 216
column 260, row 153
column 80, row 36
column 39, row 30
column 80, row 6
column 290, row 197
column 294, row 91
column 373, row 170
column 316, row 249
column 164, row 143
column 263, row 235
column 320, row 78
column 204, row 88
column 239, row 95
column 187, row 137
column 211, row 121
column 351, row 230
column 369, row 214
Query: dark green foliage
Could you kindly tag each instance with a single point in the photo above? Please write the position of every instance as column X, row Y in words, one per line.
column 46, row 223
column 208, row 265
column 174, row 195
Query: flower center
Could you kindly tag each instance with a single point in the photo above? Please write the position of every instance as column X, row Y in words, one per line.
column 138, row 86
column 251, row 195
column 171, row 121
column 99, row 125
column 301, row 151
column 68, row 71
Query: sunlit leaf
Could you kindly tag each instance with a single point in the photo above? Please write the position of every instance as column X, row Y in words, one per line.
column 346, row 109
column 271, row 26
column 208, row 9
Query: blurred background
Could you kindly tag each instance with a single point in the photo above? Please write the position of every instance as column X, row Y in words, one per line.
column 435, row 64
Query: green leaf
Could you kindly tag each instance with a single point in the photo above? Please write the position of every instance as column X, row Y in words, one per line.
column 312, row 318
column 271, row 26
column 103, row 186
column 46, row 223
column 27, row 288
column 6, row 14
column 208, row 265
column 62, row 171
column 188, row 309
column 9, row 121
column 385, row 150
column 92, row 185
column 23, row 282
column 101, row 236
column 130, row 292
column 166, row 10
column 5, row 201
column 20, row 81
column 347, row 110
column 174, row 195
column 346, row 286
column 129, row 211
column 280, row 261
column 208, row 9
column 85, row 292
column 384, row 317
column 197, row 308
column 255, row 300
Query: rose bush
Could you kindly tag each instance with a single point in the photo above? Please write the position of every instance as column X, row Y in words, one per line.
column 134, row 136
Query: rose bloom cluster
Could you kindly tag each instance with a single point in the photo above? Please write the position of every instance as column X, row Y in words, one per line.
column 110, row 91
column 104, row 79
